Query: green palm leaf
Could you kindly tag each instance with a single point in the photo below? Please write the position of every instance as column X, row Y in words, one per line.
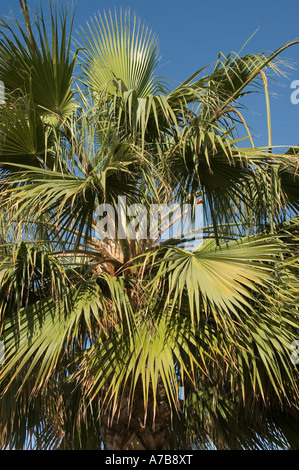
column 44, row 68
column 221, row 277
column 118, row 51
column 130, row 342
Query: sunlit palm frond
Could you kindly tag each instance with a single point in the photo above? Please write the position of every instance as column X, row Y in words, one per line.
column 120, row 50
column 37, row 344
column 40, row 65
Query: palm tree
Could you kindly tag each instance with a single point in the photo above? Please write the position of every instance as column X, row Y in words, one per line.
column 120, row 341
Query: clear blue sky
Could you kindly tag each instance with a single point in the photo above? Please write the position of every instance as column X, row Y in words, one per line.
column 192, row 32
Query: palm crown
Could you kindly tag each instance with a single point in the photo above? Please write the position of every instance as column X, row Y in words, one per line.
column 132, row 342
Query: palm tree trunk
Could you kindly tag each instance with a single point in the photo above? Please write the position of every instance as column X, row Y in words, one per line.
column 130, row 430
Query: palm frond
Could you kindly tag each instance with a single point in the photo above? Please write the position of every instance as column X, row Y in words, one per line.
column 119, row 50
column 43, row 66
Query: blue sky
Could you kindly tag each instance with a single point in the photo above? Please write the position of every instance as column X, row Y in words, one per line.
column 192, row 32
